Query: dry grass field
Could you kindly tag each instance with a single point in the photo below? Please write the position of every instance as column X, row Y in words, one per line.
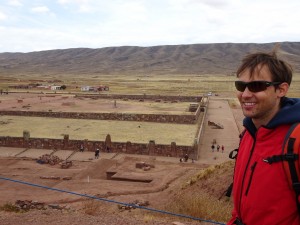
column 141, row 84
column 136, row 84
column 79, row 129
column 139, row 132
column 70, row 103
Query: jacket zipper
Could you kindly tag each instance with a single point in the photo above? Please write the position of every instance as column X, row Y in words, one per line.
column 250, row 180
column 243, row 181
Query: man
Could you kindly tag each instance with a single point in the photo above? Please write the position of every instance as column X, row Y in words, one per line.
column 212, row 147
column 186, row 157
column 261, row 192
column 97, row 153
column 81, row 148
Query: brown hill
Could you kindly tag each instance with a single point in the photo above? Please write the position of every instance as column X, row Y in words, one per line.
column 169, row 59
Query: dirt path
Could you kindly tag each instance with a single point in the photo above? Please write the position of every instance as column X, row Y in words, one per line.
column 219, row 112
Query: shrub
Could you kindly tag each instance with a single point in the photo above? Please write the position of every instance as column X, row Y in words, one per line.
column 201, row 205
column 91, row 207
column 9, row 207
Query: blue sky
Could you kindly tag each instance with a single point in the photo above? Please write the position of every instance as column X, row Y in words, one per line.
column 35, row 25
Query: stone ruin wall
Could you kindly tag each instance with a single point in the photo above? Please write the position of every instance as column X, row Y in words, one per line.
column 143, row 97
column 159, row 118
column 151, row 148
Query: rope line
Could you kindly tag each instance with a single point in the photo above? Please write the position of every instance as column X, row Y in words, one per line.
column 111, row 201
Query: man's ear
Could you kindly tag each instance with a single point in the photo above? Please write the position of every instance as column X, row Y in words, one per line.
column 282, row 89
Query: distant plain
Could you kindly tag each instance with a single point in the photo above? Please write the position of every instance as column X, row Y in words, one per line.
column 121, row 131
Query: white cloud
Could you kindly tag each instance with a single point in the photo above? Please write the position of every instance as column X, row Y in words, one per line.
column 3, row 16
column 15, row 3
column 217, row 3
column 82, row 6
column 75, row 1
column 40, row 9
column 40, row 39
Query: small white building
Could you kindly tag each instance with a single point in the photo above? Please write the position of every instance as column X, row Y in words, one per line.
column 85, row 88
column 95, row 88
column 55, row 87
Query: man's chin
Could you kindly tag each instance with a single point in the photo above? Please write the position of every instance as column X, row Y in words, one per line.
column 248, row 114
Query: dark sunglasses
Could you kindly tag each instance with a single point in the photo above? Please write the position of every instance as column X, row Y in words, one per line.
column 254, row 86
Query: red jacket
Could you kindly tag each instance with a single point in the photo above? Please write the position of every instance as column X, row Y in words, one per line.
column 261, row 192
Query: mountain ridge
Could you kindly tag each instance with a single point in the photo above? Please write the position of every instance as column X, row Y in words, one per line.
column 218, row 58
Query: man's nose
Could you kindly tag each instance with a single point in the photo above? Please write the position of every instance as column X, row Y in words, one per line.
column 247, row 93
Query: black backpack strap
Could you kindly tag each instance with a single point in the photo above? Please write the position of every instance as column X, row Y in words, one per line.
column 291, row 162
column 291, row 157
column 234, row 152
column 293, row 170
column 289, row 142
column 233, row 155
column 229, row 190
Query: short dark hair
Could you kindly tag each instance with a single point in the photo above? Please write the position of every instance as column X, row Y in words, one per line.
column 281, row 70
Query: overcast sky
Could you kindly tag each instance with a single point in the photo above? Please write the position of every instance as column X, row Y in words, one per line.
column 35, row 25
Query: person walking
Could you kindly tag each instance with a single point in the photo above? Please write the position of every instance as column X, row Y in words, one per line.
column 262, row 194
column 81, row 149
column 97, row 153
column 212, row 147
column 222, row 148
column 186, row 157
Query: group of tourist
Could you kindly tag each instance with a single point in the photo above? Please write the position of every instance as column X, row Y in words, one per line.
column 217, row 147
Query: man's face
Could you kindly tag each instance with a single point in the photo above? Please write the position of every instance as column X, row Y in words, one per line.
column 263, row 105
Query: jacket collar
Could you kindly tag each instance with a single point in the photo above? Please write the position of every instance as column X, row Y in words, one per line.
column 289, row 113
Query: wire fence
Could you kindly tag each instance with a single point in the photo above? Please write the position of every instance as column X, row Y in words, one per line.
column 110, row 201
